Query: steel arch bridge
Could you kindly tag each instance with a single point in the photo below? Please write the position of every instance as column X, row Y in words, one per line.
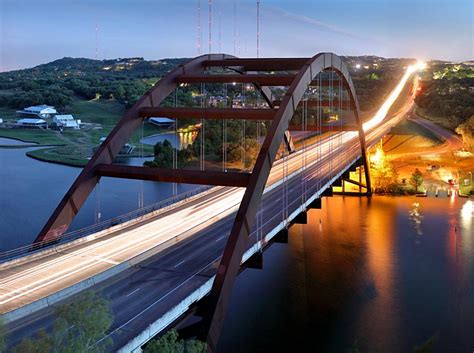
column 297, row 74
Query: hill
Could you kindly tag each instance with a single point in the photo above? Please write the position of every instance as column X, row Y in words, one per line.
column 58, row 82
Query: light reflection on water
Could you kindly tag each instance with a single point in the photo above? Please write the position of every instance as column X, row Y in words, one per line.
column 180, row 140
column 362, row 274
column 416, row 217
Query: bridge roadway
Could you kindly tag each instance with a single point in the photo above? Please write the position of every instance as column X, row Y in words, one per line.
column 147, row 291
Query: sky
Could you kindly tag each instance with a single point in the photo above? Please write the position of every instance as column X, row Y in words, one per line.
column 33, row 32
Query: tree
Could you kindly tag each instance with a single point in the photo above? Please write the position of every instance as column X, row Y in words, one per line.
column 41, row 344
column 169, row 343
column 466, row 130
column 163, row 155
column 383, row 173
column 82, row 323
column 3, row 333
column 77, row 327
column 416, row 179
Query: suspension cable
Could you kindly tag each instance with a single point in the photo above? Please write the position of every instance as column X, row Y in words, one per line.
column 202, row 140
column 97, row 196
column 141, row 191
column 177, row 143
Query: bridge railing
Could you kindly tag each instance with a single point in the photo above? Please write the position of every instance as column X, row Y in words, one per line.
column 135, row 215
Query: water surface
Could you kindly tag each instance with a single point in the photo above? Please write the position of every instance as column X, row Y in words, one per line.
column 363, row 273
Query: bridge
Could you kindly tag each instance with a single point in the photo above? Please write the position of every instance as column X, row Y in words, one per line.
column 163, row 263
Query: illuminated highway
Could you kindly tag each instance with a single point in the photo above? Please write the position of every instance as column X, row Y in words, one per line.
column 188, row 238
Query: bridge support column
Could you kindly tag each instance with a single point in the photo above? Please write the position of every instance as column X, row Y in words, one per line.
column 316, row 204
column 281, row 237
column 327, row 192
column 364, row 160
column 301, row 218
column 255, row 261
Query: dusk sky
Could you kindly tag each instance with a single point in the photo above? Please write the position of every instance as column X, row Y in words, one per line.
column 33, row 32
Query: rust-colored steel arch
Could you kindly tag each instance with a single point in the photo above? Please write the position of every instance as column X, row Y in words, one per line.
column 73, row 200
column 245, row 218
column 254, row 182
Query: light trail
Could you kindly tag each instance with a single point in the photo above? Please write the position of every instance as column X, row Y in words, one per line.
column 49, row 275
column 383, row 110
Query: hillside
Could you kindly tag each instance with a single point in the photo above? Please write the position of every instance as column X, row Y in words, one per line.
column 98, row 92
column 58, row 82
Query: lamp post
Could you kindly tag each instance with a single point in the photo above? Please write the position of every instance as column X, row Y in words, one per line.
column 470, row 173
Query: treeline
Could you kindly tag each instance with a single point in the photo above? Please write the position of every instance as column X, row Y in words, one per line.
column 374, row 84
column 445, row 92
column 58, row 82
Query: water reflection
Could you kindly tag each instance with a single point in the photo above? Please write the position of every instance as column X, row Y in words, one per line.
column 358, row 276
column 178, row 140
column 416, row 217
column 467, row 213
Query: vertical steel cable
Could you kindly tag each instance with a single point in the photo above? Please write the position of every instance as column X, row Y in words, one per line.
column 340, row 119
column 331, row 110
column 202, row 140
column 244, row 154
column 177, row 143
column 319, row 113
column 304, row 122
column 97, row 196
column 225, row 130
column 140, row 194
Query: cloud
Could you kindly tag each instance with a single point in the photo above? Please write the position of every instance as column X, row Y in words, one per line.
column 310, row 21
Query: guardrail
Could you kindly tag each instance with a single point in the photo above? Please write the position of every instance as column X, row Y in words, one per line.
column 137, row 215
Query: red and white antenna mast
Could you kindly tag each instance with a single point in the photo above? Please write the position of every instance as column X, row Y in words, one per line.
column 199, row 29
column 258, row 27
column 210, row 26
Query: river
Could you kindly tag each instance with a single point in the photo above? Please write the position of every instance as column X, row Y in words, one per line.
column 30, row 190
column 383, row 275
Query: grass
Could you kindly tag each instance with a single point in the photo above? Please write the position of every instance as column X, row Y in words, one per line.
column 60, row 155
column 408, row 137
column 76, row 146
column 41, row 137
column 465, row 189
column 441, row 121
column 407, row 127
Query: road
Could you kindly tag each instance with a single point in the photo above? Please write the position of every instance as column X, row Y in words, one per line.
column 147, row 291
column 451, row 142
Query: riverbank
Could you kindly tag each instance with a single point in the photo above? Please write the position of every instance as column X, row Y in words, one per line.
column 436, row 152
column 74, row 148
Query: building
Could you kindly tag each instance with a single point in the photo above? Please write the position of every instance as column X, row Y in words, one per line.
column 162, row 122
column 125, row 150
column 63, row 122
column 40, row 111
column 30, row 123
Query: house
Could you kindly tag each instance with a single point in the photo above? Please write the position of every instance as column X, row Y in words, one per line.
column 162, row 122
column 64, row 122
column 40, row 111
column 125, row 150
column 30, row 123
